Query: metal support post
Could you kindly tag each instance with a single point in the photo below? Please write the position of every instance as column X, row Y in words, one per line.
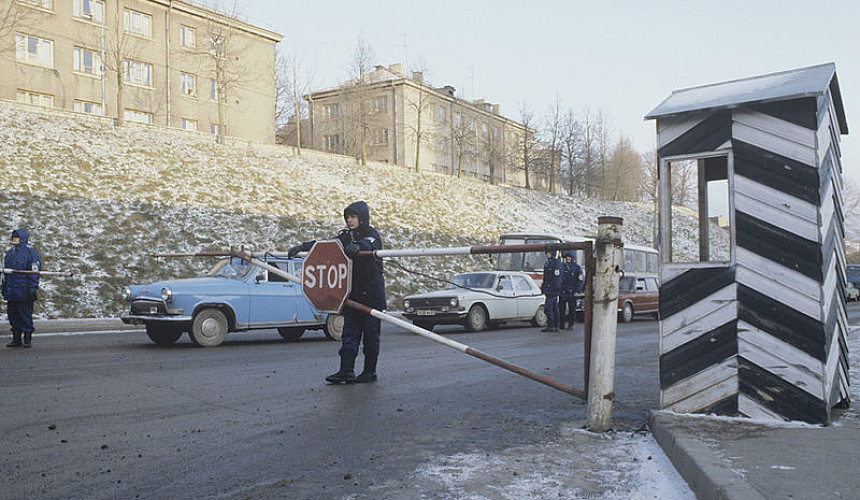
column 601, row 380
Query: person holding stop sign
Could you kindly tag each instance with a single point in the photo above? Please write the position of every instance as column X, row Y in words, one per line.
column 368, row 288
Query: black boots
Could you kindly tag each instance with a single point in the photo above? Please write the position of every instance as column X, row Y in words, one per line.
column 346, row 374
column 369, row 373
column 28, row 336
column 16, row 339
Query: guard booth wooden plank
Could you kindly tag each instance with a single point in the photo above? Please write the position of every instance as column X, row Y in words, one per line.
column 753, row 319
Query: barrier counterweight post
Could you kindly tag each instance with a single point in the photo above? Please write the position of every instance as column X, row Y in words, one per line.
column 601, row 378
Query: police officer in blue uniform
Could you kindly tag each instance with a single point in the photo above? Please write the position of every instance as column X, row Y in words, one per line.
column 21, row 290
column 551, row 288
column 368, row 288
column 571, row 284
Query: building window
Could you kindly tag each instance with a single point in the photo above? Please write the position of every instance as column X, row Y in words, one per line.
column 187, row 37
column 189, row 124
column 216, row 129
column 92, row 10
column 331, row 111
column 138, row 116
column 138, row 73
column 380, row 104
column 35, row 98
column 216, row 46
column 90, row 108
column 332, row 143
column 380, row 136
column 34, row 50
column 213, row 90
column 87, row 61
column 189, row 84
column 42, row 4
column 137, row 23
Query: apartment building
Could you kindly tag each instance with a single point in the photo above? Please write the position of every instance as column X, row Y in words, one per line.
column 163, row 62
column 401, row 120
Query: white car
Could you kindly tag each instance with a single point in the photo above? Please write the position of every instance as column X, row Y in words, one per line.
column 851, row 292
column 479, row 300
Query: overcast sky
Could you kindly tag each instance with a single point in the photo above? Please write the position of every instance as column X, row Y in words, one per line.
column 619, row 57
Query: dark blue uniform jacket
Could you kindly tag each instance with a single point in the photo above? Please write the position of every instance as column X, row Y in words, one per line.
column 17, row 287
column 571, row 279
column 551, row 277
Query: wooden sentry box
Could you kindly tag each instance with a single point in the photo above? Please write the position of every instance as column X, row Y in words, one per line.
column 752, row 307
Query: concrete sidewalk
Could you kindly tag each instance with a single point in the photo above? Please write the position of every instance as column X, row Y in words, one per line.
column 725, row 458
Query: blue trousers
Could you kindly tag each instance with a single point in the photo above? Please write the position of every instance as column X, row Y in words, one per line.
column 567, row 310
column 360, row 328
column 550, row 307
column 20, row 315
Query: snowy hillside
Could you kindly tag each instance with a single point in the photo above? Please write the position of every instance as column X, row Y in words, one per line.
column 98, row 200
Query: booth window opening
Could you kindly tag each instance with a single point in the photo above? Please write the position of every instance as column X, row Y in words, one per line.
column 699, row 197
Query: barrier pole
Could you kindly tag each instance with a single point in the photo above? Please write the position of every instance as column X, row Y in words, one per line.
column 601, row 380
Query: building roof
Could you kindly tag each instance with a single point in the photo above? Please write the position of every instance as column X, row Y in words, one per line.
column 814, row 81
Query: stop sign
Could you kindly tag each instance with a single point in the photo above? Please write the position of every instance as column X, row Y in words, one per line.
column 327, row 276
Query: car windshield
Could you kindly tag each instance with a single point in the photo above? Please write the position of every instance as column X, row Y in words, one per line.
column 474, row 280
column 231, row 268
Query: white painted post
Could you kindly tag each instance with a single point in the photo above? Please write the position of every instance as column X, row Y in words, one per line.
column 601, row 378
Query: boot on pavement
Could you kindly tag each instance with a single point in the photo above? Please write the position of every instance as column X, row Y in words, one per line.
column 16, row 339
column 346, row 374
column 369, row 372
column 28, row 338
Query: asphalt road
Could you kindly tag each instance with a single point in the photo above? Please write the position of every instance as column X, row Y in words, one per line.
column 110, row 415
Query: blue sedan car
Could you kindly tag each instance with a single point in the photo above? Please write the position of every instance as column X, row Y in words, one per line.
column 235, row 295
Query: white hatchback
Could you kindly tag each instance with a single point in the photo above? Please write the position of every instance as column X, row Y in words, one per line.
column 478, row 300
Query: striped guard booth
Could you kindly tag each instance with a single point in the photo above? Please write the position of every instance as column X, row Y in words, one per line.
column 761, row 331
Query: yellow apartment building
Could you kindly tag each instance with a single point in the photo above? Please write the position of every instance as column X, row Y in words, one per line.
column 162, row 62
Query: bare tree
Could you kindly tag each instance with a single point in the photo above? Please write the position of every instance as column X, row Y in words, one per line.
column 12, row 16
column 293, row 80
column 492, row 150
column 553, row 135
column 624, row 173
column 355, row 103
column 571, row 149
column 463, row 138
column 225, row 48
column 527, row 144
column 419, row 103
column 119, row 50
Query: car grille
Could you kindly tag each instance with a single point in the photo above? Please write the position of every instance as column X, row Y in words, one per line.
column 430, row 303
column 148, row 307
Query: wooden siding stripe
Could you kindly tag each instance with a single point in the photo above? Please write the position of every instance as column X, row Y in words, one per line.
column 778, row 172
column 702, row 385
column 802, row 112
column 781, row 321
column 698, row 319
column 670, row 128
column 727, row 407
column 766, row 270
column 779, row 245
column 765, row 139
column 691, row 287
column 792, row 365
column 775, row 199
column 788, row 295
column 751, row 409
column 776, row 127
column 779, row 396
column 697, row 402
column 688, row 359
column 706, row 136
column 777, row 215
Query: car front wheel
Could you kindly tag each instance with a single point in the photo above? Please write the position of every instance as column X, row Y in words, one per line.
column 291, row 333
column 477, row 319
column 209, row 328
column 540, row 317
column 627, row 313
column 333, row 328
column 163, row 335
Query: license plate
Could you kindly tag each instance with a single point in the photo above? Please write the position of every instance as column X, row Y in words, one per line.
column 425, row 313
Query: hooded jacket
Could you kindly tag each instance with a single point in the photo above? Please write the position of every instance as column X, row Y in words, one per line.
column 571, row 277
column 368, row 282
column 552, row 276
column 18, row 287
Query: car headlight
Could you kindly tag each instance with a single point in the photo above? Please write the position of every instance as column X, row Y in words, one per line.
column 166, row 294
column 126, row 293
column 406, row 305
column 454, row 302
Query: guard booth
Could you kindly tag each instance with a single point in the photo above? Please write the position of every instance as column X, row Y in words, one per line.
column 752, row 306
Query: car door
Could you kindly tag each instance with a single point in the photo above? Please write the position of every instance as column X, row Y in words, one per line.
column 528, row 299
column 501, row 304
column 652, row 291
column 273, row 299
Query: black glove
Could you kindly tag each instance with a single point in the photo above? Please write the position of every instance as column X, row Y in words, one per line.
column 293, row 251
column 32, row 295
column 351, row 250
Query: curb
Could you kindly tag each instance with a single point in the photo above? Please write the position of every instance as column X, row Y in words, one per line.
column 705, row 471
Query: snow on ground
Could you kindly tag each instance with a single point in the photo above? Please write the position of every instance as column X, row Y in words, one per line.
column 580, row 465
